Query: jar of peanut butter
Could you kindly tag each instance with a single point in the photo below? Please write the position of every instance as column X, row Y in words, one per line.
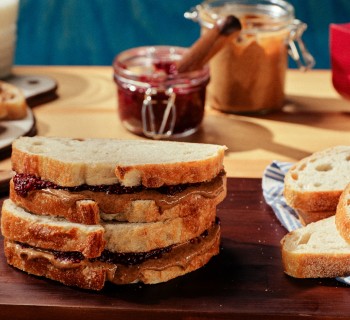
column 248, row 74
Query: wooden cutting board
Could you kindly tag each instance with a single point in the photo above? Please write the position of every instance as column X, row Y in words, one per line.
column 245, row 281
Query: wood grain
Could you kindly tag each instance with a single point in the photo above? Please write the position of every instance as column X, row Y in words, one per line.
column 245, row 281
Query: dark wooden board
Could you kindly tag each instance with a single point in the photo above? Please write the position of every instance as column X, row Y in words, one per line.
column 245, row 281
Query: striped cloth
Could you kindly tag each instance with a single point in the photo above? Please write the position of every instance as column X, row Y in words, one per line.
column 272, row 185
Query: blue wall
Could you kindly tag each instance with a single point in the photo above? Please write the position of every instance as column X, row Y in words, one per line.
column 92, row 32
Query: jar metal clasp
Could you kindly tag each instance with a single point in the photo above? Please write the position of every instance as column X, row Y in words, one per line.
column 167, row 124
column 297, row 49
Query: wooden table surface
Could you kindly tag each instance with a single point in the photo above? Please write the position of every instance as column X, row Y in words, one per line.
column 315, row 117
column 246, row 281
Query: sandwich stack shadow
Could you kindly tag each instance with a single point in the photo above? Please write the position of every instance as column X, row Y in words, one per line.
column 83, row 212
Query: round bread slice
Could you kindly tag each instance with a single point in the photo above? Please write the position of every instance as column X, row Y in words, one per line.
column 316, row 251
column 92, row 274
column 72, row 162
column 315, row 183
column 88, row 207
column 13, row 105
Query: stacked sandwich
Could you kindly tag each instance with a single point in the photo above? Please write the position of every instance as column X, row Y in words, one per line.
column 84, row 212
column 318, row 188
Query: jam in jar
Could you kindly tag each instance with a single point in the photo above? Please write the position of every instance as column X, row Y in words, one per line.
column 155, row 100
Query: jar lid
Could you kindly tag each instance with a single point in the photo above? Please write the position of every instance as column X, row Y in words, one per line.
column 152, row 66
column 255, row 15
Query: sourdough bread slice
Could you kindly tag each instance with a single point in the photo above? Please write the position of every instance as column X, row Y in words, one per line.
column 92, row 274
column 316, row 251
column 13, row 104
column 315, row 183
column 145, row 206
column 52, row 233
column 58, row 234
column 73, row 162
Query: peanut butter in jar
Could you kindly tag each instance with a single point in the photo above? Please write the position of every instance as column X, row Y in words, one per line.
column 248, row 74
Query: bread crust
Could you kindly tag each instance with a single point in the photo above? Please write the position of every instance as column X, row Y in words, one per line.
column 87, row 276
column 19, row 225
column 145, row 206
column 342, row 219
column 13, row 105
column 313, row 185
column 315, row 265
column 307, row 217
column 32, row 155
column 50, row 233
column 322, row 258
column 312, row 201
column 155, row 176
column 92, row 275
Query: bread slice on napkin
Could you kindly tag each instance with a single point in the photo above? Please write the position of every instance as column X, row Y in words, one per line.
column 316, row 251
column 313, row 185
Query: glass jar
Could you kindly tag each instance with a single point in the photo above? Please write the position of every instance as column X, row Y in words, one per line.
column 153, row 99
column 248, row 74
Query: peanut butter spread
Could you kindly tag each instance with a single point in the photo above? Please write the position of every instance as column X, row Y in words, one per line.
column 248, row 74
column 120, row 207
column 179, row 256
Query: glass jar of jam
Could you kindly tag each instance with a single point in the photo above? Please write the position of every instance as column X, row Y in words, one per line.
column 155, row 100
column 248, row 74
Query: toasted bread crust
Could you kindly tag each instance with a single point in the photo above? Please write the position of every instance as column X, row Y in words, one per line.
column 92, row 275
column 19, row 225
column 145, row 206
column 170, row 163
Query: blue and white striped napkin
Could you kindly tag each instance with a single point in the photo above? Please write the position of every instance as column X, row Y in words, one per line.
column 272, row 185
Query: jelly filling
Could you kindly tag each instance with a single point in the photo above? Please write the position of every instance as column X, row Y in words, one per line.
column 24, row 183
column 124, row 258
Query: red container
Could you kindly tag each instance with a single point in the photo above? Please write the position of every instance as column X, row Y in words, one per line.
column 340, row 58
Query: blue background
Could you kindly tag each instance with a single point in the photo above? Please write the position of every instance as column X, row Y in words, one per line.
column 92, row 32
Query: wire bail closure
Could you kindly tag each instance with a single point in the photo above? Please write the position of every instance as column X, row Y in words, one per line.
column 167, row 126
column 296, row 47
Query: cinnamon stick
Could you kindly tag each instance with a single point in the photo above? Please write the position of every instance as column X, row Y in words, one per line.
column 209, row 44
